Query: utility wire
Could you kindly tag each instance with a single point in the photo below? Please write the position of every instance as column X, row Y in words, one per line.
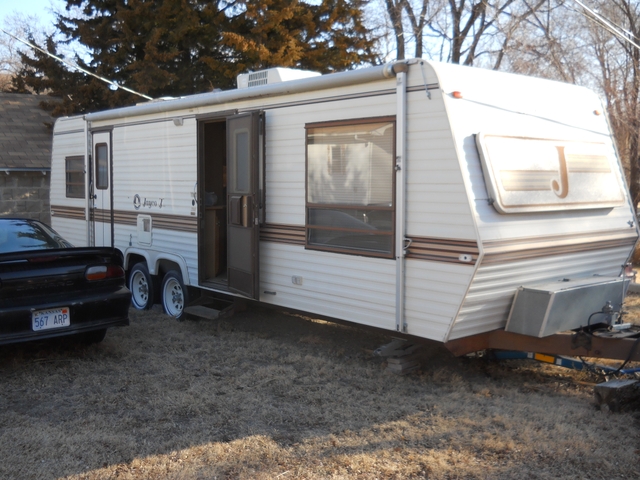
column 607, row 25
column 76, row 67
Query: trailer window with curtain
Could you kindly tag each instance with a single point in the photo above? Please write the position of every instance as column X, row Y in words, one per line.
column 74, row 176
column 350, row 186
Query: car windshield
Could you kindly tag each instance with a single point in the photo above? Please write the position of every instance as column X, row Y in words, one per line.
column 17, row 235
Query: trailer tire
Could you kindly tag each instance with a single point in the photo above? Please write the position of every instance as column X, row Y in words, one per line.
column 141, row 286
column 174, row 295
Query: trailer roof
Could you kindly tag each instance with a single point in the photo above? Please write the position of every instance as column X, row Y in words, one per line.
column 352, row 77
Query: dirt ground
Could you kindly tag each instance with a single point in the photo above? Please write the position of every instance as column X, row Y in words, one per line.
column 264, row 395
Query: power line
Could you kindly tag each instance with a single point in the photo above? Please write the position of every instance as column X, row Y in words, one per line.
column 607, row 25
column 76, row 67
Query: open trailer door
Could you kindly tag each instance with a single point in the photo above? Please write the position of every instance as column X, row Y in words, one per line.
column 243, row 207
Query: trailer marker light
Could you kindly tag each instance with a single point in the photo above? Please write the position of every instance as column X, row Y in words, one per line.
column 456, row 94
column 597, row 112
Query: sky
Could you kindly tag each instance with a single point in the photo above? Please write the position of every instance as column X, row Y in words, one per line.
column 40, row 8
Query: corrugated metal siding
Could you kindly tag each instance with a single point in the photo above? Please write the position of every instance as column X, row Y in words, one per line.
column 284, row 168
column 68, row 141
column 437, row 206
column 155, row 161
column 507, row 104
column 486, row 306
column 165, row 244
column 433, row 294
column 74, row 231
column 358, row 289
column 349, row 287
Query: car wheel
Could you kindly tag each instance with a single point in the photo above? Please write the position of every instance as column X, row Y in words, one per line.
column 96, row 336
column 141, row 287
column 174, row 295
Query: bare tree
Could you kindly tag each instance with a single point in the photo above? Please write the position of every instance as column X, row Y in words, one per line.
column 420, row 15
column 469, row 29
column 457, row 31
column 408, row 19
column 394, row 10
column 618, row 57
column 21, row 26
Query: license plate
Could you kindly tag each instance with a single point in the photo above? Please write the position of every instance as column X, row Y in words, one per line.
column 54, row 318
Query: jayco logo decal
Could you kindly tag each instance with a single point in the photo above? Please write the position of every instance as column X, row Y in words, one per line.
column 526, row 174
column 138, row 202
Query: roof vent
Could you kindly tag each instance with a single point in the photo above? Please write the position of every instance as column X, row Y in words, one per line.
column 272, row 75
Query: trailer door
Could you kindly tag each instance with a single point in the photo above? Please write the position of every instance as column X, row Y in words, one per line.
column 243, row 208
column 101, row 185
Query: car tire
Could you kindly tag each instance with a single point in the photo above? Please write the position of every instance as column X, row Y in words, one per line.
column 141, row 286
column 174, row 295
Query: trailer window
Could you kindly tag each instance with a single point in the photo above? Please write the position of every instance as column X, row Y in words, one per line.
column 74, row 176
column 102, row 163
column 350, row 186
column 528, row 174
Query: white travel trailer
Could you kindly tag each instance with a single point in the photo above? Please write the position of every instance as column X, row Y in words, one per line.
column 415, row 197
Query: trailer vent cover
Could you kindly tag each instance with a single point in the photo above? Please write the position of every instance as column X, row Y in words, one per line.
column 272, row 75
column 258, row 78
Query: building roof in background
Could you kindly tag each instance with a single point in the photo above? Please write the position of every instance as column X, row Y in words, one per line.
column 25, row 139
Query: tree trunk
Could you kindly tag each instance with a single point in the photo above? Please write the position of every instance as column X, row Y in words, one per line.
column 394, row 9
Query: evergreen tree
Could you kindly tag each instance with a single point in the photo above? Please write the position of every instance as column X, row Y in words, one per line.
column 325, row 37
column 179, row 47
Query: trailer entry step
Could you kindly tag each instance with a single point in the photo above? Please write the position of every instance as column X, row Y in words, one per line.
column 200, row 311
column 208, row 312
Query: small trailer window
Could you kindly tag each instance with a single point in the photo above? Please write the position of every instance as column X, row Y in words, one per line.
column 74, row 175
column 350, row 186
column 102, row 163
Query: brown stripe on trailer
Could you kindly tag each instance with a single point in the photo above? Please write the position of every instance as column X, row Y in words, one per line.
column 179, row 223
column 538, row 247
column 422, row 248
column 74, row 213
column 443, row 250
column 100, row 215
column 124, row 218
column 282, row 233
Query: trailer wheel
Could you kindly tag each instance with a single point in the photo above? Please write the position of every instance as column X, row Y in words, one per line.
column 174, row 295
column 141, row 286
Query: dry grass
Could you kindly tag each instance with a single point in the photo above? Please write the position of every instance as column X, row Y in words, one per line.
column 269, row 396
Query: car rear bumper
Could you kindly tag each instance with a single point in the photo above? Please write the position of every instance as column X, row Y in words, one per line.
column 87, row 313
